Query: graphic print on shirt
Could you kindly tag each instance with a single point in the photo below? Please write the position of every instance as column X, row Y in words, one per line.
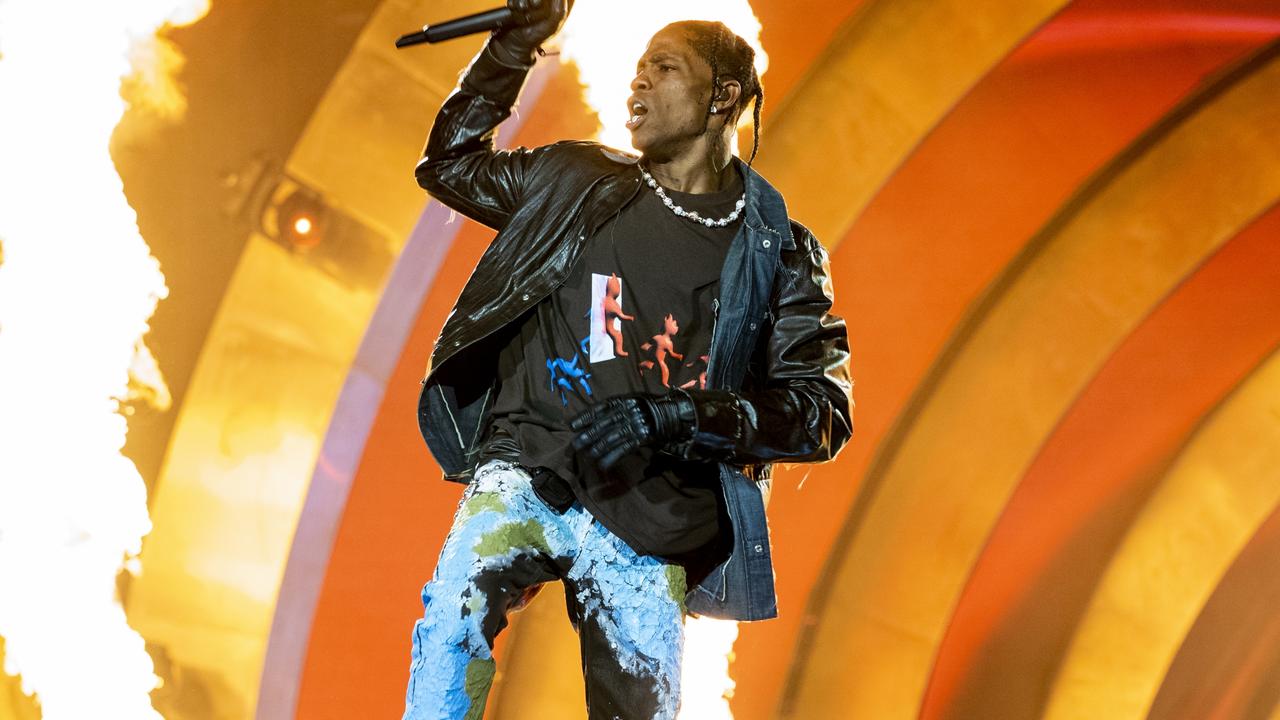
column 660, row 347
column 606, row 318
column 664, row 356
column 699, row 382
column 564, row 372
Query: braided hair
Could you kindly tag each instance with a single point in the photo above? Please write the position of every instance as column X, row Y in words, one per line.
column 727, row 54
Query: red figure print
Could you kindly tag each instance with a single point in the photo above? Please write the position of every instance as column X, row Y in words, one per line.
column 613, row 309
column 701, row 381
column 662, row 347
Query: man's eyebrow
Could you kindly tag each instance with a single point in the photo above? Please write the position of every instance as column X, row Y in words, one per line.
column 656, row 57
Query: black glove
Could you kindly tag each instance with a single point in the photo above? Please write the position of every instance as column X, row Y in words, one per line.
column 536, row 20
column 620, row 425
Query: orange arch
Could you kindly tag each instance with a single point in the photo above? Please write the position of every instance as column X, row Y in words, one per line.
column 1198, row 345
column 1226, row 668
column 959, row 209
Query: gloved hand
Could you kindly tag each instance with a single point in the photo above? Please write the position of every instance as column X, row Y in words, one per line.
column 536, row 21
column 620, row 425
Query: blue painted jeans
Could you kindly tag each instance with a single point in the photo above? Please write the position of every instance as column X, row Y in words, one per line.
column 506, row 543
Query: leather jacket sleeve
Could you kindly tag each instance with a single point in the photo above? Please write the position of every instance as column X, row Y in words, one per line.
column 801, row 409
column 460, row 166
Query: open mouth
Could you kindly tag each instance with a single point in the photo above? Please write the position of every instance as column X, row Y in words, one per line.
column 638, row 112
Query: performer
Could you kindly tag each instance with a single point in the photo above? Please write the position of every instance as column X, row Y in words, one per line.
column 642, row 492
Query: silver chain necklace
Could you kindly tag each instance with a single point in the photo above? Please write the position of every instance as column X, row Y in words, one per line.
column 690, row 214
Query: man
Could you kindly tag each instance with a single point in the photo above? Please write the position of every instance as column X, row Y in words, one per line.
column 640, row 341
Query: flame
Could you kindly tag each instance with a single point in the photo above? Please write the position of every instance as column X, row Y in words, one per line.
column 605, row 48
column 708, row 652
column 77, row 286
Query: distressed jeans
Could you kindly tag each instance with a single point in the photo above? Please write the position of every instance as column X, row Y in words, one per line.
column 505, row 543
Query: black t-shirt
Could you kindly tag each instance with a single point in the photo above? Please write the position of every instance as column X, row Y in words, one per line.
column 634, row 315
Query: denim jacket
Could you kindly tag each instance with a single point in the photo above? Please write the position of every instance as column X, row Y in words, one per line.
column 778, row 386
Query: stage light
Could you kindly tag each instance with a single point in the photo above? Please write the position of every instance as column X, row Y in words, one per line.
column 300, row 220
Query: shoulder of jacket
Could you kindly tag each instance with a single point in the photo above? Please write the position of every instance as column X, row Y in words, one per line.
column 583, row 159
column 592, row 152
column 806, row 242
column 802, row 235
column 799, row 231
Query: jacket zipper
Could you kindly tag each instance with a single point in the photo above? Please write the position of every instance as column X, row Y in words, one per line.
column 715, row 318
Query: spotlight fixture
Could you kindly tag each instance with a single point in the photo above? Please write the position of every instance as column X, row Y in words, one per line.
column 300, row 220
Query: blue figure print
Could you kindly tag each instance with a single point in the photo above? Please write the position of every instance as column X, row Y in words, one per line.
column 564, row 372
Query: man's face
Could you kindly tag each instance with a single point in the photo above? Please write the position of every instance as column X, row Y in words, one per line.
column 672, row 88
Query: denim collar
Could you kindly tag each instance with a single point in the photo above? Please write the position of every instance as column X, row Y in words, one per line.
column 766, row 210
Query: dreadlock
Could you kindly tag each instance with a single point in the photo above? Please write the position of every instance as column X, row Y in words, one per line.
column 728, row 54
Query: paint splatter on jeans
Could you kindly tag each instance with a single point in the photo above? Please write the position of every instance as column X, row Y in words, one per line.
column 506, row 543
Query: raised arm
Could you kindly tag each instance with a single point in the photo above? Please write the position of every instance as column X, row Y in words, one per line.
column 460, row 166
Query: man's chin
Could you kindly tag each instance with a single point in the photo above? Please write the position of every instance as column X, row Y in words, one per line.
column 650, row 148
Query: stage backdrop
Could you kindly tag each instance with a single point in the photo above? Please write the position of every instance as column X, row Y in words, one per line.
column 1055, row 238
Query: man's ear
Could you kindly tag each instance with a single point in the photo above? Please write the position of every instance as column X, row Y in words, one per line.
column 727, row 97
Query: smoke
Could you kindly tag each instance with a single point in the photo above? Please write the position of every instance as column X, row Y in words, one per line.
column 606, row 50
column 77, row 287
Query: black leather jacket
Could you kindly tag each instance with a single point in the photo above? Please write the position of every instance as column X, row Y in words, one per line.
column 778, row 386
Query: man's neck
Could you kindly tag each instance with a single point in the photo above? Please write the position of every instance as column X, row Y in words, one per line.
column 692, row 174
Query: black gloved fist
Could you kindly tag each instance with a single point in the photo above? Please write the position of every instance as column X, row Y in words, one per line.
column 536, row 21
column 620, row 425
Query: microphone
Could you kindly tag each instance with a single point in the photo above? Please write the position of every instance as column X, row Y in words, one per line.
column 476, row 23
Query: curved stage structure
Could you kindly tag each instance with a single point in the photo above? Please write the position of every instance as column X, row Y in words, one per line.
column 1055, row 233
